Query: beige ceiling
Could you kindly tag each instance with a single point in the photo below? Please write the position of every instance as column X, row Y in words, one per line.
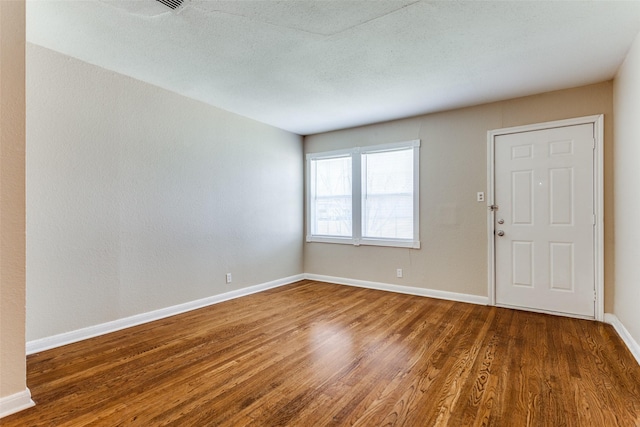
column 310, row 66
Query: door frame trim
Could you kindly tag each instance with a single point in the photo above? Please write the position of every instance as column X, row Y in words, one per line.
column 598, row 198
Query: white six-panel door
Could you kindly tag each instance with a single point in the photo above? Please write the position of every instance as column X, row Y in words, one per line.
column 544, row 222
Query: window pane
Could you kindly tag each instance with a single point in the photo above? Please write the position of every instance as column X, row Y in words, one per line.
column 331, row 196
column 388, row 195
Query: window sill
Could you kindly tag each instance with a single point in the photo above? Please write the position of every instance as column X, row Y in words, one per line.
column 413, row 244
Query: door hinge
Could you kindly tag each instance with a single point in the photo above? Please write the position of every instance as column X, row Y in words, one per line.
column 594, row 143
column 593, row 219
column 594, row 295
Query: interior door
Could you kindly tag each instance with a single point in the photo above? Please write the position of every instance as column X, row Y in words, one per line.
column 544, row 222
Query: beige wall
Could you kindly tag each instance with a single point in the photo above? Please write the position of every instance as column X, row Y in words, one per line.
column 140, row 199
column 12, row 205
column 627, row 192
column 453, row 161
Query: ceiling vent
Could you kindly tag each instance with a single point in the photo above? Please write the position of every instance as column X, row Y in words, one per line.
column 172, row 4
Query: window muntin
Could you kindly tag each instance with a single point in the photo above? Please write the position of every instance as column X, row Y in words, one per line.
column 381, row 207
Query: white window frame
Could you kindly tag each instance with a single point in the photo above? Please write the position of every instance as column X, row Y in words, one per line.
column 356, row 195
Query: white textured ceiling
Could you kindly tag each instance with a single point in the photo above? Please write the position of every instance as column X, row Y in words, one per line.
column 310, row 66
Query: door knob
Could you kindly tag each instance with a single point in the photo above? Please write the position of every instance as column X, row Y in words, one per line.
column 500, row 233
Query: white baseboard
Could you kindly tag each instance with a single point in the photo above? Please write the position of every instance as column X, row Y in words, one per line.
column 54, row 341
column 15, row 403
column 626, row 337
column 22, row 400
column 632, row 345
column 433, row 293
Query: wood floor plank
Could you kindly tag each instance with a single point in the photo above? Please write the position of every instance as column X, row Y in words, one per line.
column 319, row 354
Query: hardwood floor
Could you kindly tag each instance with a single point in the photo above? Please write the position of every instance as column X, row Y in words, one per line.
column 316, row 354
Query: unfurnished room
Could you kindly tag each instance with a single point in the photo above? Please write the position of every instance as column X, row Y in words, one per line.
column 319, row 212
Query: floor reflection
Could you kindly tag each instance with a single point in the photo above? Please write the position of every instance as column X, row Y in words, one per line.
column 331, row 346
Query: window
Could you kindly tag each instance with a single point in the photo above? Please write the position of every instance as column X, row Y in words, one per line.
column 331, row 188
column 364, row 196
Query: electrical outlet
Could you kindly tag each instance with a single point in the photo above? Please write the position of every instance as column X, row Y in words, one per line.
column 399, row 273
column 480, row 196
column 228, row 277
